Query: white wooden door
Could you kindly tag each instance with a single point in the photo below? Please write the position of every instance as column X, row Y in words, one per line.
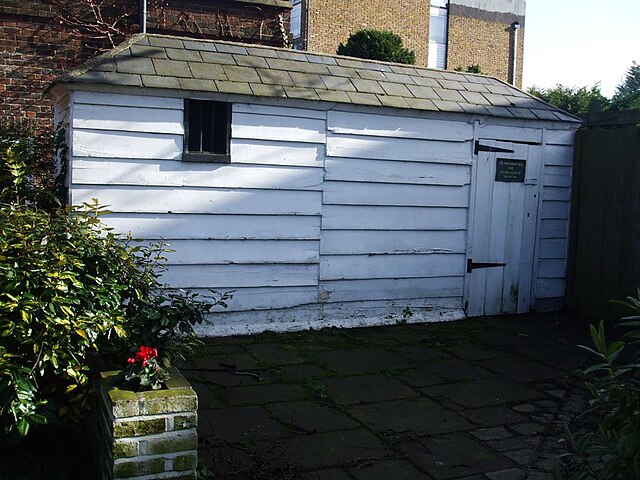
column 502, row 228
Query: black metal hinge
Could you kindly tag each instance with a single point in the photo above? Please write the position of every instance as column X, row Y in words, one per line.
column 472, row 266
column 487, row 148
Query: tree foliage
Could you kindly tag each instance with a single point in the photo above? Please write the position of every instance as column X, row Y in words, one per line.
column 627, row 95
column 577, row 100
column 377, row 45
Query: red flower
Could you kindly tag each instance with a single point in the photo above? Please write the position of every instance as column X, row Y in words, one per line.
column 131, row 361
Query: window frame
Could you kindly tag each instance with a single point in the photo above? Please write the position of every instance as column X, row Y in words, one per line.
column 203, row 155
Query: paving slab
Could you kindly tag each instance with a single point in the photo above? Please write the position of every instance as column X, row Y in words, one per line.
column 312, row 418
column 275, row 354
column 367, row 389
column 246, row 424
column 263, row 394
column 458, row 370
column 488, row 392
column 419, row 416
column 347, row 447
column 522, row 370
column 453, row 455
column 492, row 416
column 362, row 360
column 388, row 470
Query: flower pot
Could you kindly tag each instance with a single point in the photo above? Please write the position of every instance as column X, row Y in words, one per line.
column 149, row 434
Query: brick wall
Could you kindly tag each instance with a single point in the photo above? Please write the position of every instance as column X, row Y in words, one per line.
column 332, row 21
column 474, row 41
column 35, row 49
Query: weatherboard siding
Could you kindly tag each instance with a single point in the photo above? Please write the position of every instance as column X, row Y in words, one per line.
column 321, row 218
column 395, row 206
column 554, row 225
column 252, row 226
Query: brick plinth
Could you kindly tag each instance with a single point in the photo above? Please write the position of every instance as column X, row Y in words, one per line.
column 147, row 434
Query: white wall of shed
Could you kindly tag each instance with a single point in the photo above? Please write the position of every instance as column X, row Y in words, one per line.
column 322, row 218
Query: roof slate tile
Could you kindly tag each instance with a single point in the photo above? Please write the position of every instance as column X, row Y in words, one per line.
column 157, row 61
column 218, row 58
column 367, row 86
column 207, row 71
column 171, row 68
column 263, row 90
column 242, row 88
column 397, row 89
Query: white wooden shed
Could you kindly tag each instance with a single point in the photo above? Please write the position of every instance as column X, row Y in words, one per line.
column 324, row 190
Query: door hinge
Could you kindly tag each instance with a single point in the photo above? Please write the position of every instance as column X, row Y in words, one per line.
column 471, row 266
column 486, row 148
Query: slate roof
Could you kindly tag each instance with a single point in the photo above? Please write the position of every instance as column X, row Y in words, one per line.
column 169, row 62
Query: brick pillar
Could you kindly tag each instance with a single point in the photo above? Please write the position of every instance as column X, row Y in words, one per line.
column 148, row 434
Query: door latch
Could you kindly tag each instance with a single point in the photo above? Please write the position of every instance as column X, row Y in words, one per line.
column 471, row 266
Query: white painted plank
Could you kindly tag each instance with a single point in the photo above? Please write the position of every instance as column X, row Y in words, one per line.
column 555, row 210
column 554, row 228
column 552, row 268
column 193, row 252
column 254, row 109
column 128, row 119
column 550, row 288
column 267, row 298
column 553, row 248
column 393, row 218
column 377, row 148
column 398, row 127
column 560, row 137
column 350, row 242
column 210, row 201
column 188, row 174
column 220, row 227
column 559, row 155
column 557, row 181
column 246, row 322
column 138, row 100
column 355, row 170
column 341, row 267
column 266, row 127
column 350, row 193
column 391, row 289
column 261, row 152
column 562, row 194
column 373, row 313
column 510, row 134
column 106, row 144
column 227, row 277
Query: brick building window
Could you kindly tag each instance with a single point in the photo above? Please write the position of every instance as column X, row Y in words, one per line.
column 438, row 34
column 207, row 127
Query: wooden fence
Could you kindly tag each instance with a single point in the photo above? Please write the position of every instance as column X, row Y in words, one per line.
column 605, row 223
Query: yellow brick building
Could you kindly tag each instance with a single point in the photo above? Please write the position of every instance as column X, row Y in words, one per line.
column 443, row 33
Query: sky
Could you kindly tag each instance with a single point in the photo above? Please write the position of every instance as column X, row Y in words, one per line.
column 580, row 42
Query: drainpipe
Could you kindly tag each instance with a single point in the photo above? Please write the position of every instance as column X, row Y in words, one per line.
column 514, row 71
column 143, row 16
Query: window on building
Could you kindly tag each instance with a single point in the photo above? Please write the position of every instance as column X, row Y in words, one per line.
column 296, row 23
column 438, row 34
column 207, row 131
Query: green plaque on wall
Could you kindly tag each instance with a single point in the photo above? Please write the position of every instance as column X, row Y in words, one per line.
column 509, row 170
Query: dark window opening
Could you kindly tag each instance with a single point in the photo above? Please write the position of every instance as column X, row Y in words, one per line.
column 207, row 131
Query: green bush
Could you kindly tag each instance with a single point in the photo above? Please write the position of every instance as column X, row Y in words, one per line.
column 612, row 449
column 71, row 289
column 377, row 45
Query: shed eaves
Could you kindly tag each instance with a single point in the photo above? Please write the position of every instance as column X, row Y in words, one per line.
column 169, row 62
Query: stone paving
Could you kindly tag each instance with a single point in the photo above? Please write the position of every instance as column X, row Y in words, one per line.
column 484, row 398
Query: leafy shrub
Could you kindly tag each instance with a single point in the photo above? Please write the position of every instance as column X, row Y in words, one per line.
column 27, row 162
column 612, row 450
column 474, row 68
column 377, row 45
column 69, row 289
